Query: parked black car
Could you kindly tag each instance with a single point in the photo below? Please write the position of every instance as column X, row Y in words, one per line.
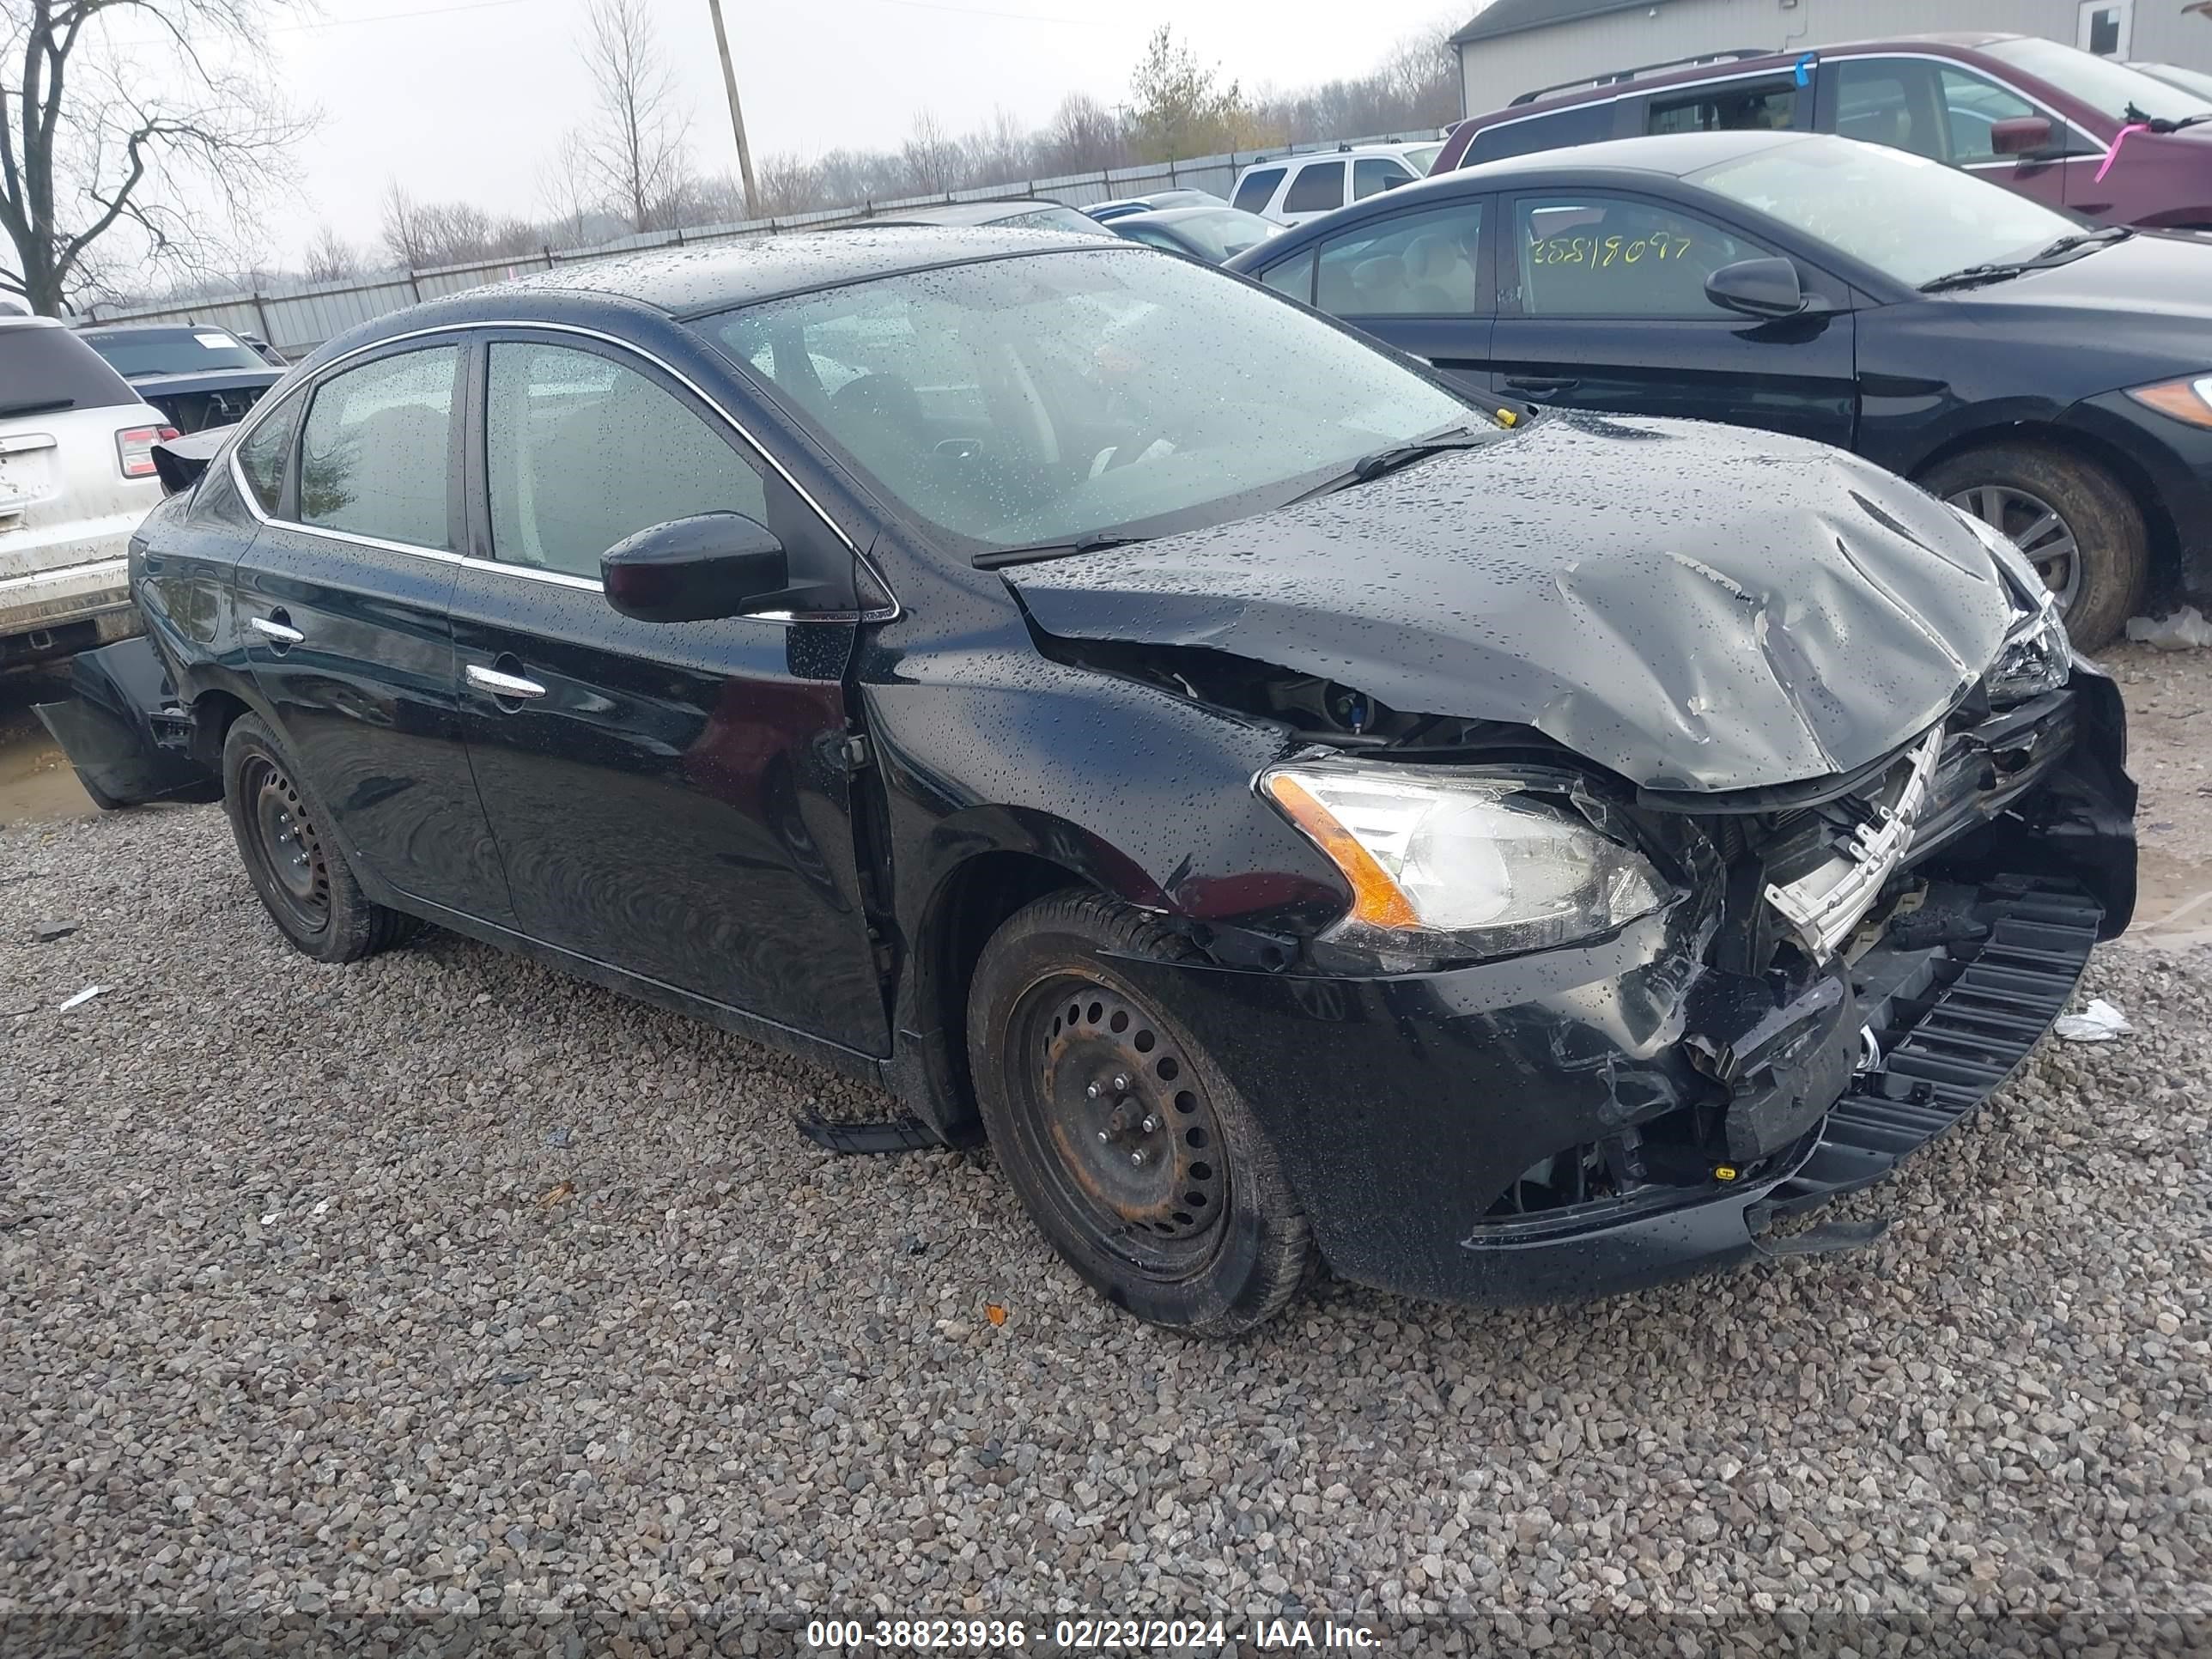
column 197, row 375
column 1117, row 711
column 1212, row 235
column 2055, row 381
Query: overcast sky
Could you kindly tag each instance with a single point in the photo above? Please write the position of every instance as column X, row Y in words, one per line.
column 466, row 99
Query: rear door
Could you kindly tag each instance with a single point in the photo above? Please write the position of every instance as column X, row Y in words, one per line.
column 342, row 601
column 671, row 799
column 1602, row 307
column 1416, row 280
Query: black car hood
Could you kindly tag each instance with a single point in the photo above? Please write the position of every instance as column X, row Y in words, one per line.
column 1696, row 607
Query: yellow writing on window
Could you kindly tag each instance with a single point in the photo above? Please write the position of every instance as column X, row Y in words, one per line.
column 1598, row 253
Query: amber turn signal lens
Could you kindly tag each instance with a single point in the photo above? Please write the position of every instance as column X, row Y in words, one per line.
column 1374, row 898
column 2189, row 400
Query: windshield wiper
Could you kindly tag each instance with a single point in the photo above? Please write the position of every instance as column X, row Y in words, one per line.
column 1004, row 556
column 1997, row 270
column 37, row 406
column 2135, row 118
column 1367, row 468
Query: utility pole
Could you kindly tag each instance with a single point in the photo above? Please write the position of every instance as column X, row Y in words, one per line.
column 737, row 115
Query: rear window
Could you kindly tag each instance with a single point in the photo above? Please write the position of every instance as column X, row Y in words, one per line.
column 142, row 351
column 44, row 369
column 1258, row 188
column 1316, row 189
column 1586, row 123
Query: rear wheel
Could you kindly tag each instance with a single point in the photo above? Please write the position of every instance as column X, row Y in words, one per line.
column 2077, row 524
column 302, row 878
column 1137, row 1158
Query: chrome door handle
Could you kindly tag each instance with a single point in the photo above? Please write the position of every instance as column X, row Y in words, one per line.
column 502, row 685
column 276, row 631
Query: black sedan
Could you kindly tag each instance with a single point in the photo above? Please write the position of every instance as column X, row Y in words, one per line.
column 196, row 375
column 1115, row 711
column 2055, row 381
column 1212, row 235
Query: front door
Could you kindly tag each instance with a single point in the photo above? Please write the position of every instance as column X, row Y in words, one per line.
column 342, row 602
column 1603, row 307
column 670, row 799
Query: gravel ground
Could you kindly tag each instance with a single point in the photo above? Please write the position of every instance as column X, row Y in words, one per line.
column 437, row 1290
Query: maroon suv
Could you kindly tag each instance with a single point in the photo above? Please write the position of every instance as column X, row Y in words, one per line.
column 2029, row 113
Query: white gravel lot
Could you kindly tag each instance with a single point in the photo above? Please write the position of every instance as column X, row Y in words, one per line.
column 440, row 1291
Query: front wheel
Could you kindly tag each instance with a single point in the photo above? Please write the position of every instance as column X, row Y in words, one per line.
column 1138, row 1159
column 2079, row 525
column 302, row 878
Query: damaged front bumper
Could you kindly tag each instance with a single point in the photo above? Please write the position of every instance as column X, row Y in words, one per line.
column 1597, row 1118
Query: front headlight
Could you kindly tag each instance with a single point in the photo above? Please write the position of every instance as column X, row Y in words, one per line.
column 1449, row 862
column 2189, row 398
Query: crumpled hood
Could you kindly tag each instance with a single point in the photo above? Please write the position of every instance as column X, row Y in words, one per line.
column 1696, row 607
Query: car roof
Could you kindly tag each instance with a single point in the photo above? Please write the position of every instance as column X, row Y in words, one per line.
column 721, row 276
column 102, row 330
column 17, row 320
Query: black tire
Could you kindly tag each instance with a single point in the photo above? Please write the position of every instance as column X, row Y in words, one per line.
column 301, row 877
column 2095, row 508
column 1207, row 1238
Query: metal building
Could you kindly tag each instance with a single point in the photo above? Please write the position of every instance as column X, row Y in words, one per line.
column 1514, row 45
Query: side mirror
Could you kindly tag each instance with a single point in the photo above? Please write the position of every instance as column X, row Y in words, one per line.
column 698, row 569
column 2023, row 136
column 1758, row 287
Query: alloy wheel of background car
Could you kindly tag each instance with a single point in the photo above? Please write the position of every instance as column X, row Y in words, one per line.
column 295, row 866
column 2036, row 527
column 1136, row 1156
column 2078, row 524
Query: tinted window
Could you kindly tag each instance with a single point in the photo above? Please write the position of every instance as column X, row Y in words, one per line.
column 378, row 447
column 1972, row 105
column 173, row 351
column 1889, row 101
column 1219, row 235
column 1258, row 188
column 1293, row 276
column 582, row 452
column 1601, row 255
column 1119, row 395
column 1152, row 238
column 1585, row 124
column 49, row 369
column 1416, row 264
column 1316, row 189
column 1764, row 107
column 262, row 457
column 1370, row 176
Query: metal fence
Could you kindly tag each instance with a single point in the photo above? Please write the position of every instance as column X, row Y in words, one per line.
column 296, row 320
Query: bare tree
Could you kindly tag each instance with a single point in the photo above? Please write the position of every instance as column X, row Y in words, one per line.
column 1084, row 137
column 636, row 152
column 404, row 235
column 91, row 145
column 565, row 188
column 931, row 157
column 331, row 257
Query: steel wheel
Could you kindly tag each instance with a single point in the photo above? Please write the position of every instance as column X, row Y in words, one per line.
column 1118, row 1120
column 2035, row 526
column 285, row 844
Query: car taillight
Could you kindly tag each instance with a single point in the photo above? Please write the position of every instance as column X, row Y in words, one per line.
column 134, row 448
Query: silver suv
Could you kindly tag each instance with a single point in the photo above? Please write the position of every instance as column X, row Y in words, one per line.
column 77, row 474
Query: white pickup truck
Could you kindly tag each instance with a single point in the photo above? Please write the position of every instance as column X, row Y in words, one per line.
column 77, row 474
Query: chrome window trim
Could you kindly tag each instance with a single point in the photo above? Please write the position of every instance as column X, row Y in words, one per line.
column 252, row 424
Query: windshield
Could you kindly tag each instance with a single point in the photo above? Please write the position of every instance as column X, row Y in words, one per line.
column 173, row 351
column 1422, row 157
column 1909, row 217
column 1057, row 398
column 2104, row 85
column 1221, row 235
column 2194, row 82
